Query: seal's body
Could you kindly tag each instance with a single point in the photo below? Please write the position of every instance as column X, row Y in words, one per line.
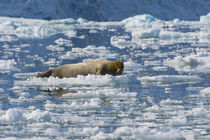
column 97, row 67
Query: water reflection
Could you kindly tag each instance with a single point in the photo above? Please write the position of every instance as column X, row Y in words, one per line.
column 57, row 92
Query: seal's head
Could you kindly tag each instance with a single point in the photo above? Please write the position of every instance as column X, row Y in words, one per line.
column 118, row 66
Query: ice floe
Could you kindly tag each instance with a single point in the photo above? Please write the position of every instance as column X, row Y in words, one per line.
column 90, row 51
column 25, row 75
column 13, row 114
column 55, row 48
column 18, row 115
column 122, row 42
column 92, row 80
column 94, row 103
column 30, row 28
column 195, row 63
column 8, row 66
column 147, row 27
column 38, row 115
column 205, row 91
column 205, row 18
column 170, row 79
column 65, row 42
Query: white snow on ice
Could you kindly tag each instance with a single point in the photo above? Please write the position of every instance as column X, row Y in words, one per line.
column 94, row 80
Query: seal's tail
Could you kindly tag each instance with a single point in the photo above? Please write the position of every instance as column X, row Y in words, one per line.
column 47, row 73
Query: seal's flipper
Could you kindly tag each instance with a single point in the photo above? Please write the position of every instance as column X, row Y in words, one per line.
column 47, row 73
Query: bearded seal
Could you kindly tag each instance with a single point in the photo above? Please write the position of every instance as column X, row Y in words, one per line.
column 97, row 67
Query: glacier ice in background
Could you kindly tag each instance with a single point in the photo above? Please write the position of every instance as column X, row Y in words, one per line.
column 103, row 10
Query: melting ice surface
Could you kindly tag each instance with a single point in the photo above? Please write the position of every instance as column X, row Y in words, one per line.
column 163, row 93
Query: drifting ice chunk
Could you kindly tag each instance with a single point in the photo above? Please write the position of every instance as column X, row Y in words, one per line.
column 65, row 42
column 90, row 51
column 205, row 91
column 38, row 115
column 137, row 20
column 205, row 19
column 14, row 115
column 7, row 66
column 122, row 42
column 192, row 63
column 148, row 33
column 170, row 79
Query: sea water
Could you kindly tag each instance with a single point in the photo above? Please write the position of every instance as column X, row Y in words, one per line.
column 163, row 93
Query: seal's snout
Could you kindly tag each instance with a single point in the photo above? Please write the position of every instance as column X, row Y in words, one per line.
column 119, row 66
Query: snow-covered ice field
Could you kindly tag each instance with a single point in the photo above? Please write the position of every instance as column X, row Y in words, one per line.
column 163, row 93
